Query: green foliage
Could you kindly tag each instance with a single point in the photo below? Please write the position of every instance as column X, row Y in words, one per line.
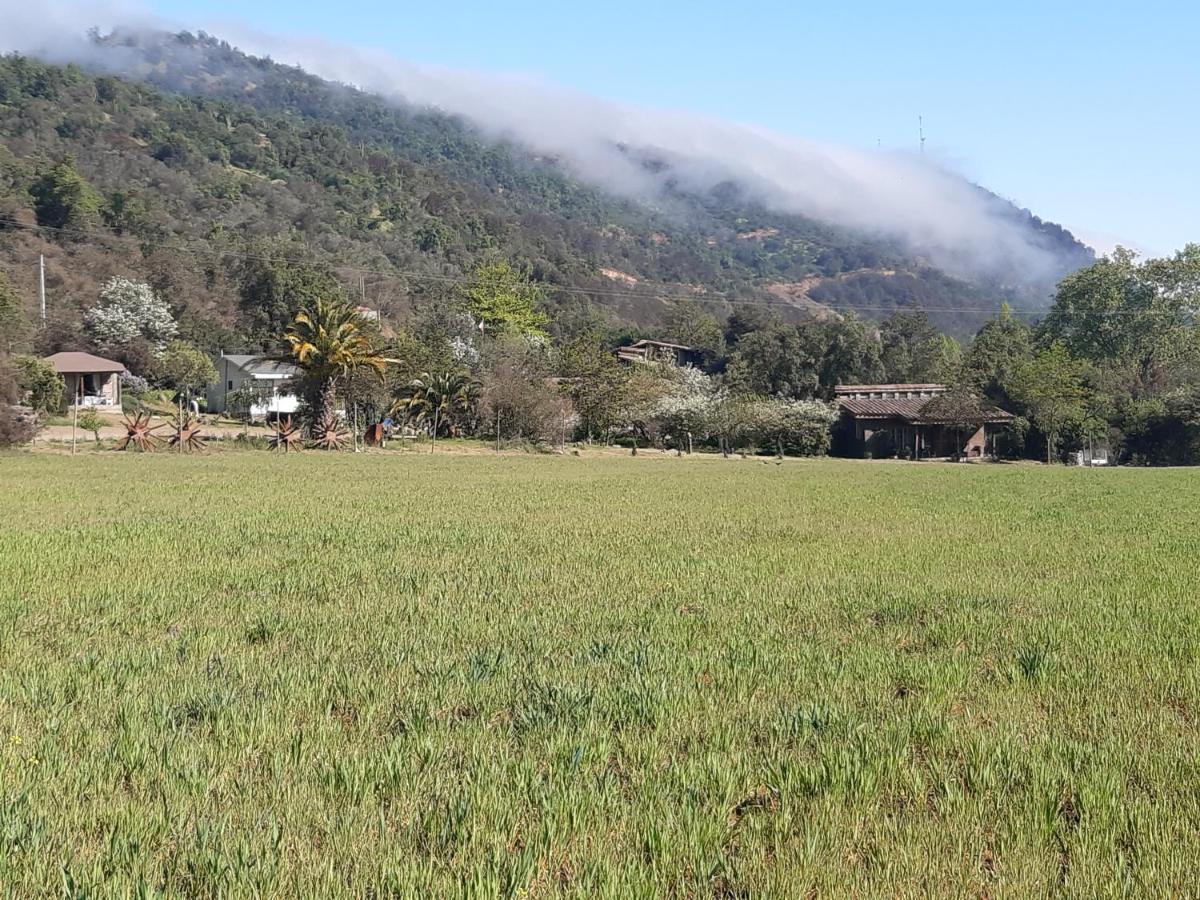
column 505, row 302
column 1051, row 387
column 42, row 387
column 1000, row 346
column 15, row 427
column 442, row 403
column 911, row 349
column 184, row 369
column 273, row 292
column 14, row 323
column 329, row 342
column 90, row 420
column 62, row 197
column 778, row 360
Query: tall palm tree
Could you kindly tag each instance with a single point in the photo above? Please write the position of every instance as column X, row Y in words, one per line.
column 436, row 400
column 329, row 341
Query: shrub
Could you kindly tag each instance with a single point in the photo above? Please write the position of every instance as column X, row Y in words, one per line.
column 42, row 386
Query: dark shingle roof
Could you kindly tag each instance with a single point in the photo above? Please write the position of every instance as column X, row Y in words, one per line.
column 909, row 410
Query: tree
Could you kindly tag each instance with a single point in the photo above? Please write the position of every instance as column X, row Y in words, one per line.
column 328, row 341
column 15, row 427
column 14, row 324
column 1001, row 346
column 1135, row 324
column 184, row 369
column 1051, row 387
column 516, row 404
column 90, row 420
column 42, row 386
column 850, row 355
column 505, row 302
column 691, row 326
column 62, row 198
column 911, row 350
column 130, row 311
column 438, row 401
column 778, row 360
column 594, row 381
column 787, row 425
column 637, row 401
column 273, row 291
column 687, row 412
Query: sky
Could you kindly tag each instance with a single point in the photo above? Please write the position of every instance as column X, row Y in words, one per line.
column 1088, row 114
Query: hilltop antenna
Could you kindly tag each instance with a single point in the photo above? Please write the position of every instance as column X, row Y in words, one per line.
column 921, row 133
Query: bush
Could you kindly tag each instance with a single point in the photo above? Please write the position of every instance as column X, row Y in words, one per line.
column 89, row 420
column 42, row 387
column 16, row 427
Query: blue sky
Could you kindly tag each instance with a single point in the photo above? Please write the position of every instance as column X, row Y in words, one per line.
column 1087, row 114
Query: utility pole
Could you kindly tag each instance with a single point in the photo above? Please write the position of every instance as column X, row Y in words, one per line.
column 75, row 411
column 42, row 286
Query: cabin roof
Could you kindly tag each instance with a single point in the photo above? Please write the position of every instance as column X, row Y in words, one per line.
column 75, row 362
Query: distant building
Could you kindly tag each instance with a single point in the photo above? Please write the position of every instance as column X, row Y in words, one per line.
column 271, row 382
column 90, row 380
column 893, row 420
column 660, row 352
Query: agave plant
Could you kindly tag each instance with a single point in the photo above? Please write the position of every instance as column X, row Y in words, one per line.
column 329, row 433
column 139, row 433
column 286, row 436
column 187, row 433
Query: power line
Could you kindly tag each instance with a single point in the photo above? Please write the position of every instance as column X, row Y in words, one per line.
column 466, row 281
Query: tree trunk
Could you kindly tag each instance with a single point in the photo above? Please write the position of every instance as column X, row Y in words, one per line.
column 433, row 434
column 327, row 401
column 689, row 434
column 1050, row 442
column 779, row 447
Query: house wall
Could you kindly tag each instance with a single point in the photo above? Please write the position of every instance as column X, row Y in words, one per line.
column 92, row 389
column 232, row 377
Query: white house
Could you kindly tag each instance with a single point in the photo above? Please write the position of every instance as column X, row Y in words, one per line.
column 271, row 382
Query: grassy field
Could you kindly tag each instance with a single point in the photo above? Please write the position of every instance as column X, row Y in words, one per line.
column 397, row 675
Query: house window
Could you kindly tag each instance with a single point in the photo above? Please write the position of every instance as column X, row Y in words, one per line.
column 231, row 385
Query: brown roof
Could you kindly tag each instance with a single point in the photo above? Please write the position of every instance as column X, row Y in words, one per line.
column 884, row 409
column 76, row 363
column 909, row 410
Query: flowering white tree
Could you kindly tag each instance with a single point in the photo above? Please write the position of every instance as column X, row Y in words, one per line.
column 688, row 412
column 129, row 310
column 797, row 426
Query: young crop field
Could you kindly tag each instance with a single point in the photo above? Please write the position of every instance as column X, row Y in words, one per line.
column 397, row 675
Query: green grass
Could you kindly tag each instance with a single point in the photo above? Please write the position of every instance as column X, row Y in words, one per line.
column 403, row 675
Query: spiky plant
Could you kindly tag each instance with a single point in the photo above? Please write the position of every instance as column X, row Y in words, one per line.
column 186, row 428
column 286, row 436
column 329, row 433
column 139, row 433
column 437, row 401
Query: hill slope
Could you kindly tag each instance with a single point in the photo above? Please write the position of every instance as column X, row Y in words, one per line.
column 208, row 161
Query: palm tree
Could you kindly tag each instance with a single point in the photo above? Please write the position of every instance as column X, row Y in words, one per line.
column 329, row 341
column 435, row 400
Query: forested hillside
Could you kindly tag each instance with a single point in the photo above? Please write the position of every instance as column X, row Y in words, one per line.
column 212, row 167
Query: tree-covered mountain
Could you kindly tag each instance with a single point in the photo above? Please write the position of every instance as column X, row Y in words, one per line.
column 201, row 169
